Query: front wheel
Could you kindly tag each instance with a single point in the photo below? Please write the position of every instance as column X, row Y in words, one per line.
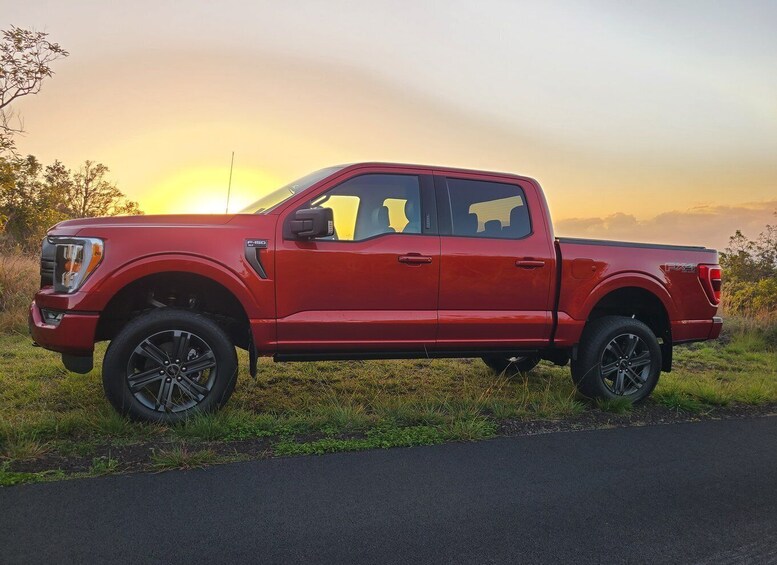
column 618, row 357
column 168, row 364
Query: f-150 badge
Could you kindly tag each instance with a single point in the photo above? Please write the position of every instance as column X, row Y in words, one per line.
column 682, row 267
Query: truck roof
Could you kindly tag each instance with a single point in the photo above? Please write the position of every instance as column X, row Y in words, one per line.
column 434, row 168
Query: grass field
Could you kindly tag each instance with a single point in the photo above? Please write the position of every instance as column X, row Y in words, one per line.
column 55, row 424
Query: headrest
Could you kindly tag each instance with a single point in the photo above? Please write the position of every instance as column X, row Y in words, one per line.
column 492, row 227
column 380, row 216
column 519, row 221
column 411, row 210
column 469, row 225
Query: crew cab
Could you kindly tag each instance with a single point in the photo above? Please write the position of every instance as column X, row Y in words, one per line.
column 364, row 261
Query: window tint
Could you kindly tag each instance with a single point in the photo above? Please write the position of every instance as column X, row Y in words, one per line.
column 371, row 205
column 488, row 209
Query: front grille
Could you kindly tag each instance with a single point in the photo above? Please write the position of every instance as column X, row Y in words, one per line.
column 48, row 258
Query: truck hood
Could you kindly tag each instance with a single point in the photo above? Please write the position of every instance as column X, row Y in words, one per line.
column 81, row 225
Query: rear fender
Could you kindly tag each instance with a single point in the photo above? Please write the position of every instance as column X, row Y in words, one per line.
column 626, row 280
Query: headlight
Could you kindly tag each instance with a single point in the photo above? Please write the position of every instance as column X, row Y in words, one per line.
column 76, row 258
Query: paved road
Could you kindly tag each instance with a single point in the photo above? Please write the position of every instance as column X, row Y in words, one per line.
column 697, row 493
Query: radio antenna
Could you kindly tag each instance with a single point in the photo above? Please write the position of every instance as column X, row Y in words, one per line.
column 229, row 186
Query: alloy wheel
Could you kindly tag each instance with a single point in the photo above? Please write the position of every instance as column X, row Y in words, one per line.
column 625, row 364
column 171, row 371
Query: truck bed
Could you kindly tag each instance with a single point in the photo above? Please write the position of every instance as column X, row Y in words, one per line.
column 589, row 269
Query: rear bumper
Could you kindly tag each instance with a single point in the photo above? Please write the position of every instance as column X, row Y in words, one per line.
column 717, row 326
column 685, row 331
column 73, row 335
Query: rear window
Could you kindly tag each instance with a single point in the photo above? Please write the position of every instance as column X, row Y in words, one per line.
column 488, row 209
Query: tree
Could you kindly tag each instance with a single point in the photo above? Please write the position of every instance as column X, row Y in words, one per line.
column 90, row 194
column 28, row 205
column 25, row 59
column 751, row 260
column 750, row 272
column 34, row 198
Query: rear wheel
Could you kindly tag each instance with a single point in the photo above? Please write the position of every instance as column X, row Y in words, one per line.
column 168, row 364
column 511, row 365
column 618, row 357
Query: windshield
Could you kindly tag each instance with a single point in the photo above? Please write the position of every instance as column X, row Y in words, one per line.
column 280, row 195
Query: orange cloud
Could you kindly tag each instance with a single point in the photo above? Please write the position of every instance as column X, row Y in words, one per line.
column 704, row 225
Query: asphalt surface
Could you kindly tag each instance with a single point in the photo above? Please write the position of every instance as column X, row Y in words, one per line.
column 691, row 493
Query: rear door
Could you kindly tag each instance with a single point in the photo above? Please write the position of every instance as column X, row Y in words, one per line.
column 371, row 286
column 497, row 263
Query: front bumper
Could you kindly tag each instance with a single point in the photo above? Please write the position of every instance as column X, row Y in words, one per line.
column 73, row 335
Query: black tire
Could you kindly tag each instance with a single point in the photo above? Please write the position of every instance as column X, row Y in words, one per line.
column 511, row 365
column 145, row 353
column 617, row 357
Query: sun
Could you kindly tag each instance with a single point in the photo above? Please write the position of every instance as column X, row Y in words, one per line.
column 203, row 190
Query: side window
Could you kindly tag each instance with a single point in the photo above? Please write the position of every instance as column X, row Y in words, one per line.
column 488, row 209
column 370, row 205
column 344, row 208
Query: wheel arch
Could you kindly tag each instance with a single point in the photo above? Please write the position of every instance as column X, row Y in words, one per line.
column 642, row 299
column 190, row 284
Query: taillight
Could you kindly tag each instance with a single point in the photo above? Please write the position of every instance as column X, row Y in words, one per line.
column 711, row 279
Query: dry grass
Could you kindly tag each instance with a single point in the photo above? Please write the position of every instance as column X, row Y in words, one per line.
column 758, row 326
column 22, row 447
column 19, row 280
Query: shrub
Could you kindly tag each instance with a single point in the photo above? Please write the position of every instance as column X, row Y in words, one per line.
column 750, row 296
column 750, row 273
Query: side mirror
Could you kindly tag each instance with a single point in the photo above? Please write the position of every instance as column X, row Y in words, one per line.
column 312, row 222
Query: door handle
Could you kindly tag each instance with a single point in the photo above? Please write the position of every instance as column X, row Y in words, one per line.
column 414, row 259
column 529, row 263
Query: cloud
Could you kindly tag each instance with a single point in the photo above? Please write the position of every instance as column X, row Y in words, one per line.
column 703, row 225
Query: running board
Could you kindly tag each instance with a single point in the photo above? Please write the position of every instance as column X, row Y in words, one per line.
column 365, row 355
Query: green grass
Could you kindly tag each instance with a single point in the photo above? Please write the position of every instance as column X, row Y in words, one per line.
column 614, row 405
column 104, row 465
column 300, row 408
column 679, row 402
column 10, row 478
column 389, row 436
column 707, row 374
column 182, row 457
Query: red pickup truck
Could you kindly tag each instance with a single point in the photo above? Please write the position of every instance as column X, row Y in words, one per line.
column 364, row 261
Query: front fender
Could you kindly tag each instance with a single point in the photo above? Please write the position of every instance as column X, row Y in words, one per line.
column 112, row 283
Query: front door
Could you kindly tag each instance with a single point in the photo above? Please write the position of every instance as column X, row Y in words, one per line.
column 496, row 266
column 373, row 284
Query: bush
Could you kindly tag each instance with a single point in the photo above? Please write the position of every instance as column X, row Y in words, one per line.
column 19, row 280
column 750, row 296
column 750, row 273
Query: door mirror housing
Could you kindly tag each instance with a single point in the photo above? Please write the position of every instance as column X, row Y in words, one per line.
column 310, row 223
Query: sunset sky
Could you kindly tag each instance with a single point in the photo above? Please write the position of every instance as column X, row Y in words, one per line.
column 652, row 121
